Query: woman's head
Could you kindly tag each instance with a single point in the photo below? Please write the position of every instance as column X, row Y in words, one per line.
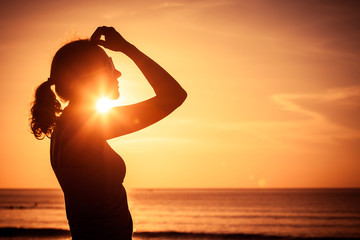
column 81, row 72
column 82, row 69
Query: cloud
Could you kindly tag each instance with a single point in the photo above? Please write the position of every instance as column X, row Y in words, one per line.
column 340, row 106
column 194, row 4
column 166, row 5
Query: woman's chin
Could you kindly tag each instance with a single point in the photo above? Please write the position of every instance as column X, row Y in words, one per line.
column 112, row 95
column 115, row 95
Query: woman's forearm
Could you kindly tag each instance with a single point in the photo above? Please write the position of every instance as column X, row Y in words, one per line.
column 162, row 82
column 164, row 85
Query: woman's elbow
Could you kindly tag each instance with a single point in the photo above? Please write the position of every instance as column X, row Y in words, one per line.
column 182, row 97
column 176, row 99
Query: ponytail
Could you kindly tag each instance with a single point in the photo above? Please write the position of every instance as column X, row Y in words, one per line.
column 70, row 62
column 45, row 110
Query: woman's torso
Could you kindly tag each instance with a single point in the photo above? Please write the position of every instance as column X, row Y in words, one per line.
column 90, row 174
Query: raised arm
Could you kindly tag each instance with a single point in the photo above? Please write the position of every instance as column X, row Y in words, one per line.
column 169, row 94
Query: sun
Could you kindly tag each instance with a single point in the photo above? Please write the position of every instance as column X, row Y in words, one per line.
column 104, row 104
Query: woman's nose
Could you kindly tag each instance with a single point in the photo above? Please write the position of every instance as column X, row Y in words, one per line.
column 117, row 73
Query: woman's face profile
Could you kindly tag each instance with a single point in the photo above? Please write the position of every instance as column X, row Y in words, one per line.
column 111, row 81
column 100, row 81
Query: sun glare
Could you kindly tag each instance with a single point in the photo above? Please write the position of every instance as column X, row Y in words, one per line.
column 103, row 105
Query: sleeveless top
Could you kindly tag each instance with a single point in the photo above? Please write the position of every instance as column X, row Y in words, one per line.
column 90, row 174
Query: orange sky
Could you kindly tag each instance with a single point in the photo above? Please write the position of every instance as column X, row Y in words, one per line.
column 274, row 92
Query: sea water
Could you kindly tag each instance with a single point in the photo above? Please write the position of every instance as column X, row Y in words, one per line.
column 200, row 213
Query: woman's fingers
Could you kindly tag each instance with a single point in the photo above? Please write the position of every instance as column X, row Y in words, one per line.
column 113, row 40
column 102, row 31
column 97, row 34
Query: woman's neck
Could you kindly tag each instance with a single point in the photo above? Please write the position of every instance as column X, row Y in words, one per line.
column 84, row 107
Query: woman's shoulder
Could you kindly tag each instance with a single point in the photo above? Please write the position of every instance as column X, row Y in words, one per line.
column 85, row 121
column 77, row 145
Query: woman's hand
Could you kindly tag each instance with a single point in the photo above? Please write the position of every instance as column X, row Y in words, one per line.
column 127, row 119
column 113, row 40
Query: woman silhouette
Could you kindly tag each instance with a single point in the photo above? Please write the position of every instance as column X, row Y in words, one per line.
column 90, row 173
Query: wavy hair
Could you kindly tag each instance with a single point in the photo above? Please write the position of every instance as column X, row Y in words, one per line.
column 45, row 110
column 73, row 60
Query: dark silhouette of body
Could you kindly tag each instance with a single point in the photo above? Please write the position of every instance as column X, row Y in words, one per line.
column 89, row 171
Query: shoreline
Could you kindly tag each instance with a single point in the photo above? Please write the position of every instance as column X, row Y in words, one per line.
column 15, row 233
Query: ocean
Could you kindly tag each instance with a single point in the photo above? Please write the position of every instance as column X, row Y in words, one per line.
column 198, row 214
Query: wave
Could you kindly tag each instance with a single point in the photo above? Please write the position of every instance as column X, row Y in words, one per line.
column 352, row 216
column 29, row 232
column 25, row 207
column 54, row 232
column 18, row 207
column 320, row 217
column 229, row 236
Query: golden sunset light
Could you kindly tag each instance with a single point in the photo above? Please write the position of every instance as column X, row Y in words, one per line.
column 104, row 104
column 273, row 90
column 180, row 119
